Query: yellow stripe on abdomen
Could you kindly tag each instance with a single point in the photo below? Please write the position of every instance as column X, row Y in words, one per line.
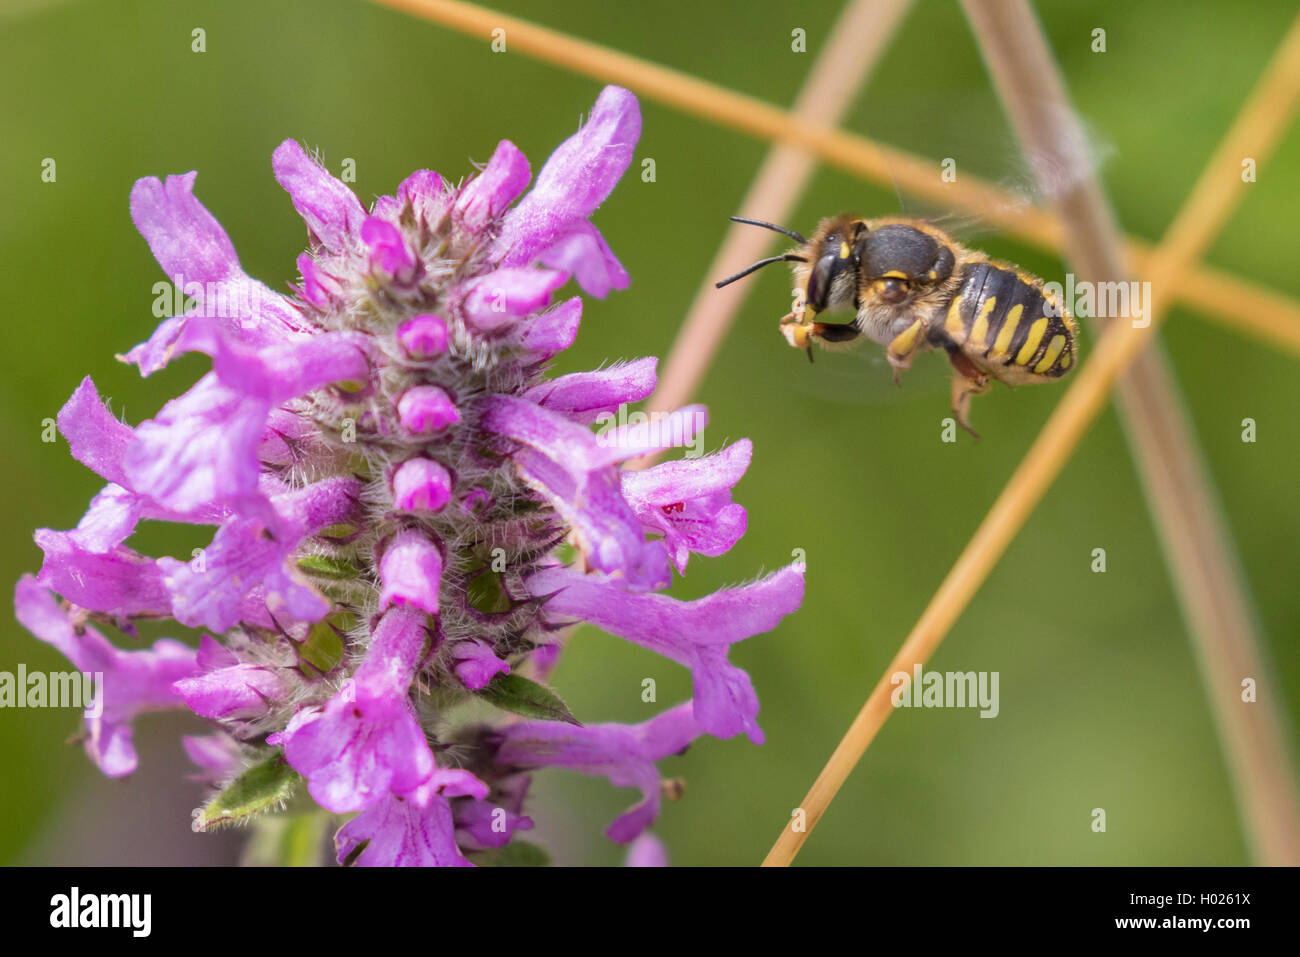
column 981, row 327
column 1031, row 342
column 1006, row 333
column 1053, row 350
column 954, row 325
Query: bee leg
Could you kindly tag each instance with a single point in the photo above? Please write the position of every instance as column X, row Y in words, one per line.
column 904, row 347
column 962, row 390
column 969, row 381
column 824, row 332
column 835, row 331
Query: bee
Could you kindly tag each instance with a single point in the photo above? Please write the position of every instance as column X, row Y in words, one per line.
column 915, row 289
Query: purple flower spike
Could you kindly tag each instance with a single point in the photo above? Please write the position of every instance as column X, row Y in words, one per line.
column 396, row 489
column 426, row 409
column 411, row 570
column 421, row 485
column 423, row 336
column 625, row 754
column 132, row 683
column 367, row 743
column 696, row 633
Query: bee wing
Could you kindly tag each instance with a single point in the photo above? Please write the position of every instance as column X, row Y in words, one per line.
column 1040, row 177
column 970, row 136
column 863, row 377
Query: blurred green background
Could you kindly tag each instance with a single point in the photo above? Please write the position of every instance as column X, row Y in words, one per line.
column 1101, row 703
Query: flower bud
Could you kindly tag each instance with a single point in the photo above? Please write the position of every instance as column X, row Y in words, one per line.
column 411, row 572
column 425, row 409
column 489, row 194
column 423, row 336
column 387, row 248
column 421, row 485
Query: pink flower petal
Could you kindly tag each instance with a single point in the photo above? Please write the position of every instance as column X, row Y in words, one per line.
column 575, row 180
column 490, row 194
column 328, row 206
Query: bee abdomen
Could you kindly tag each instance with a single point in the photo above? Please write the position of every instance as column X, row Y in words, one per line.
column 1002, row 319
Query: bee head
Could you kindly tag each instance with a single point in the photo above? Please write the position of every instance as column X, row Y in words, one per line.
column 831, row 279
column 847, row 262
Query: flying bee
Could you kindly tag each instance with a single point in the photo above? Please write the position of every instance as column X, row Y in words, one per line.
column 915, row 289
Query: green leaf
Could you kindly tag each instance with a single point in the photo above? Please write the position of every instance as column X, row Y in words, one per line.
column 341, row 531
column 486, row 592
column 327, row 567
column 323, row 649
column 518, row 695
column 514, row 854
column 262, row 787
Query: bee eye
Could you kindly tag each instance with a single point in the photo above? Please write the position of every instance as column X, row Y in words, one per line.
column 819, row 283
column 892, row 290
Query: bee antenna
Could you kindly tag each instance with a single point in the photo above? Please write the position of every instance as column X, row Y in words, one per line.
column 788, row 257
column 772, row 226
